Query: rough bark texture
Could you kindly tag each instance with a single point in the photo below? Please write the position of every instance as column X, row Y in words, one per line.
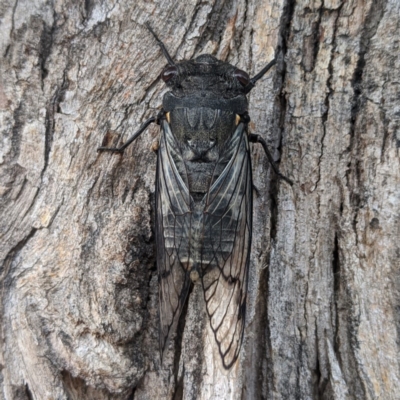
column 78, row 279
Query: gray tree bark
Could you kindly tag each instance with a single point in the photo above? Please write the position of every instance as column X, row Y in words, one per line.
column 78, row 280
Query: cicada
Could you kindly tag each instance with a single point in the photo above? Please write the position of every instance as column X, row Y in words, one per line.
column 204, row 193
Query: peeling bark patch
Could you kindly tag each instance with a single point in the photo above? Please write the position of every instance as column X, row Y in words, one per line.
column 13, row 253
column 12, row 28
column 311, row 43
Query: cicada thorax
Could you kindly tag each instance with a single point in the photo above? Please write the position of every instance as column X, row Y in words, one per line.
column 202, row 107
column 201, row 134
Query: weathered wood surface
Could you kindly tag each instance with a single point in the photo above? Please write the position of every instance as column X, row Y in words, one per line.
column 78, row 277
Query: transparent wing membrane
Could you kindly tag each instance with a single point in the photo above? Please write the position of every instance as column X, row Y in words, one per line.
column 213, row 237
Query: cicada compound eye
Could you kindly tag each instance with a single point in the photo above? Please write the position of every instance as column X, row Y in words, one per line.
column 242, row 76
column 169, row 73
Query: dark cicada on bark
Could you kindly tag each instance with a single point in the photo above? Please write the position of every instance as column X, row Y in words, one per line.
column 204, row 194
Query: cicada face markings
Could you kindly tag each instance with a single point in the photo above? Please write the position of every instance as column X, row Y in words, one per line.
column 201, row 128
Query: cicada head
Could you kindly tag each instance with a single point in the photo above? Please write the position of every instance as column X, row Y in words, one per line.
column 206, row 81
column 207, row 76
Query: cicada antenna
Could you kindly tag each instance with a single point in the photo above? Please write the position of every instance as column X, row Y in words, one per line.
column 161, row 44
column 260, row 75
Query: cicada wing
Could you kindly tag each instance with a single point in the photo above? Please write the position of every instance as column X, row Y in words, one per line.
column 172, row 235
column 227, row 239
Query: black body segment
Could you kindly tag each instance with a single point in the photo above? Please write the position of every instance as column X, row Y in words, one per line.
column 204, row 195
column 236, row 104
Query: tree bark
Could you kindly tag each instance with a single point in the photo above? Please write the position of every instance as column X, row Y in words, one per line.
column 79, row 297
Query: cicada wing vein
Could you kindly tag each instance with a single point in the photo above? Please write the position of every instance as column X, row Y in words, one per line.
column 172, row 236
column 227, row 235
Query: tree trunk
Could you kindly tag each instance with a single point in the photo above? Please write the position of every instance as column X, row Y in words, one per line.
column 79, row 292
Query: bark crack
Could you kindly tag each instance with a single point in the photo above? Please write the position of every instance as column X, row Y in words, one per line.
column 214, row 26
column 178, row 394
column 385, row 122
column 19, row 118
column 192, row 22
column 286, row 21
column 284, row 34
column 132, row 394
column 51, row 110
column 316, row 36
column 45, row 46
column 88, row 7
column 268, row 372
column 28, row 392
column 336, row 272
column 329, row 86
column 11, row 255
column 369, row 30
column 241, row 34
column 179, row 380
